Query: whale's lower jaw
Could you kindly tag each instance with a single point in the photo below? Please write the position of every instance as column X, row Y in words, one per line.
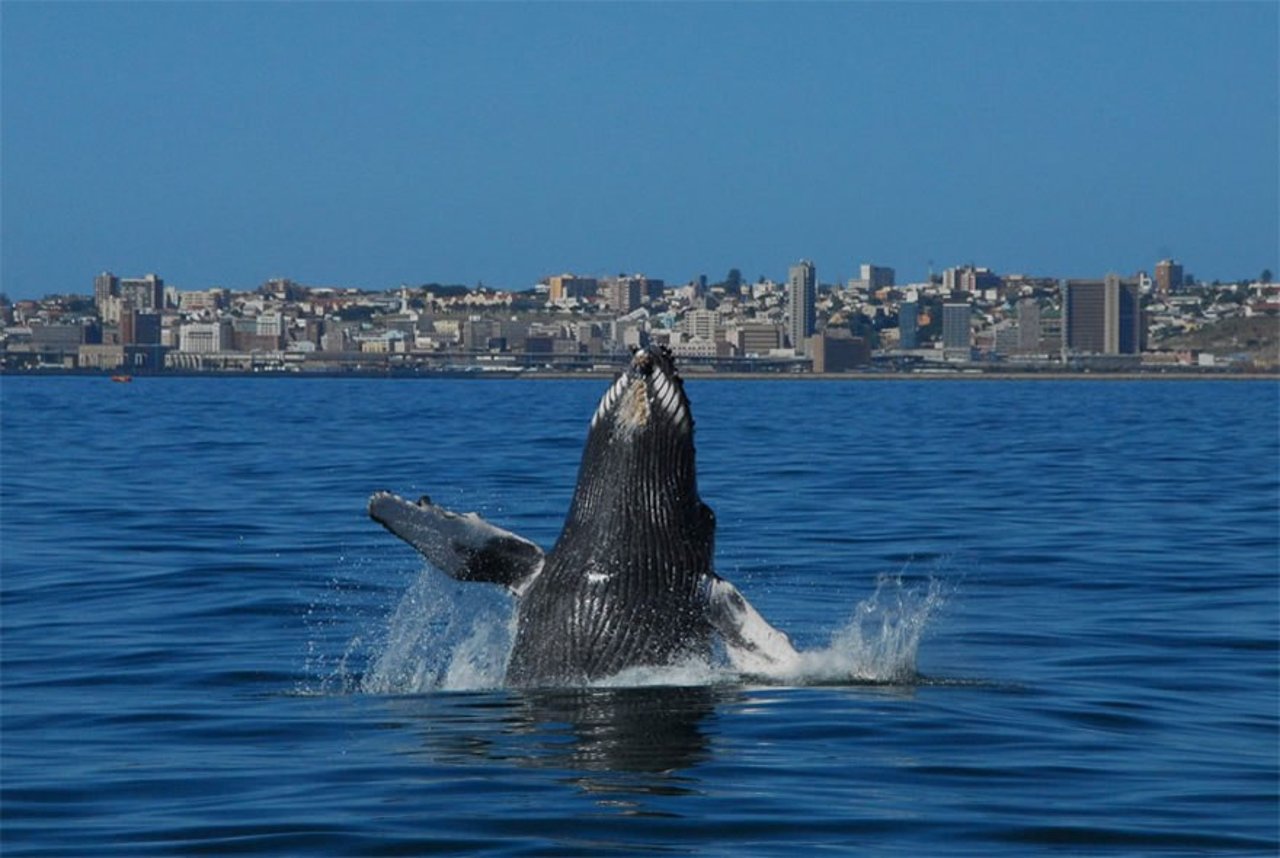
column 538, row 665
column 566, row 673
column 575, row 628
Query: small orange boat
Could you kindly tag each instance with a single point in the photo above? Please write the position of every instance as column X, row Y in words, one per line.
column 122, row 378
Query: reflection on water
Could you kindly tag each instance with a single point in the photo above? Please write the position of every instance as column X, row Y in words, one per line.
column 653, row 729
column 608, row 741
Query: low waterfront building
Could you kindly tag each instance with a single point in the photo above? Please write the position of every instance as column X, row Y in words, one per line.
column 101, row 357
column 837, row 350
column 755, row 338
column 694, row 347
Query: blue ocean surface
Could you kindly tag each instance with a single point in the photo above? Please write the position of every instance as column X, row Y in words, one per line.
column 1044, row 618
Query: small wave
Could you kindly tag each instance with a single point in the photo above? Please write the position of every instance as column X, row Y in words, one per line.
column 456, row 637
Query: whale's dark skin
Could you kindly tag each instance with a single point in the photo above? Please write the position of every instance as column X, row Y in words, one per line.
column 624, row 585
column 630, row 582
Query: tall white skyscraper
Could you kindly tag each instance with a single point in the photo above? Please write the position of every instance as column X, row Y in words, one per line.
column 802, row 297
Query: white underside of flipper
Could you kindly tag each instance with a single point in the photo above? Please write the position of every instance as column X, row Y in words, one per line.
column 754, row 646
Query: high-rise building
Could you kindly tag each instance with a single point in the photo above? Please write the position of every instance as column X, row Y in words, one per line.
column 802, row 299
column 624, row 293
column 951, row 280
column 872, row 278
column 1169, row 276
column 955, row 327
column 566, row 286
column 908, row 328
column 143, row 293
column 1103, row 316
column 1051, row 332
column 969, row 278
column 701, row 324
column 652, row 289
column 105, row 286
column 878, row 277
column 138, row 328
column 1028, row 326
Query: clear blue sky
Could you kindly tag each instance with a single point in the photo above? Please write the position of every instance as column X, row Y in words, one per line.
column 378, row 144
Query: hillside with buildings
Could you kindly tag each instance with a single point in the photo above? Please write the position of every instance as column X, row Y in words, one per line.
column 966, row 319
column 1251, row 340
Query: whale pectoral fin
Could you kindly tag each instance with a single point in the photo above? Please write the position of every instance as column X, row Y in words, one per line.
column 754, row 646
column 463, row 546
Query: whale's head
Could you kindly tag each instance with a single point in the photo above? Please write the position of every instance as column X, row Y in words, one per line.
column 638, row 465
column 647, row 399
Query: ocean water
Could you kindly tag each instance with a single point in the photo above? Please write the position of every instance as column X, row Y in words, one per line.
column 1039, row 618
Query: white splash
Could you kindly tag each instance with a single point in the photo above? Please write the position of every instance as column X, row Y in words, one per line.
column 449, row 636
column 881, row 640
column 443, row 635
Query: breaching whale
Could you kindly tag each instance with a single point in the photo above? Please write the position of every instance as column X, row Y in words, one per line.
column 630, row 581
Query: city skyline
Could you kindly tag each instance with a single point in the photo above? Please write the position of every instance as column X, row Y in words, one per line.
column 407, row 143
column 967, row 320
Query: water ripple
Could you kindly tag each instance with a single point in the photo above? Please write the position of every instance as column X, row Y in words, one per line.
column 1071, row 643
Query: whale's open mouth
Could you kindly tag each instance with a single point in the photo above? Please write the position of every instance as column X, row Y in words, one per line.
column 649, row 391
